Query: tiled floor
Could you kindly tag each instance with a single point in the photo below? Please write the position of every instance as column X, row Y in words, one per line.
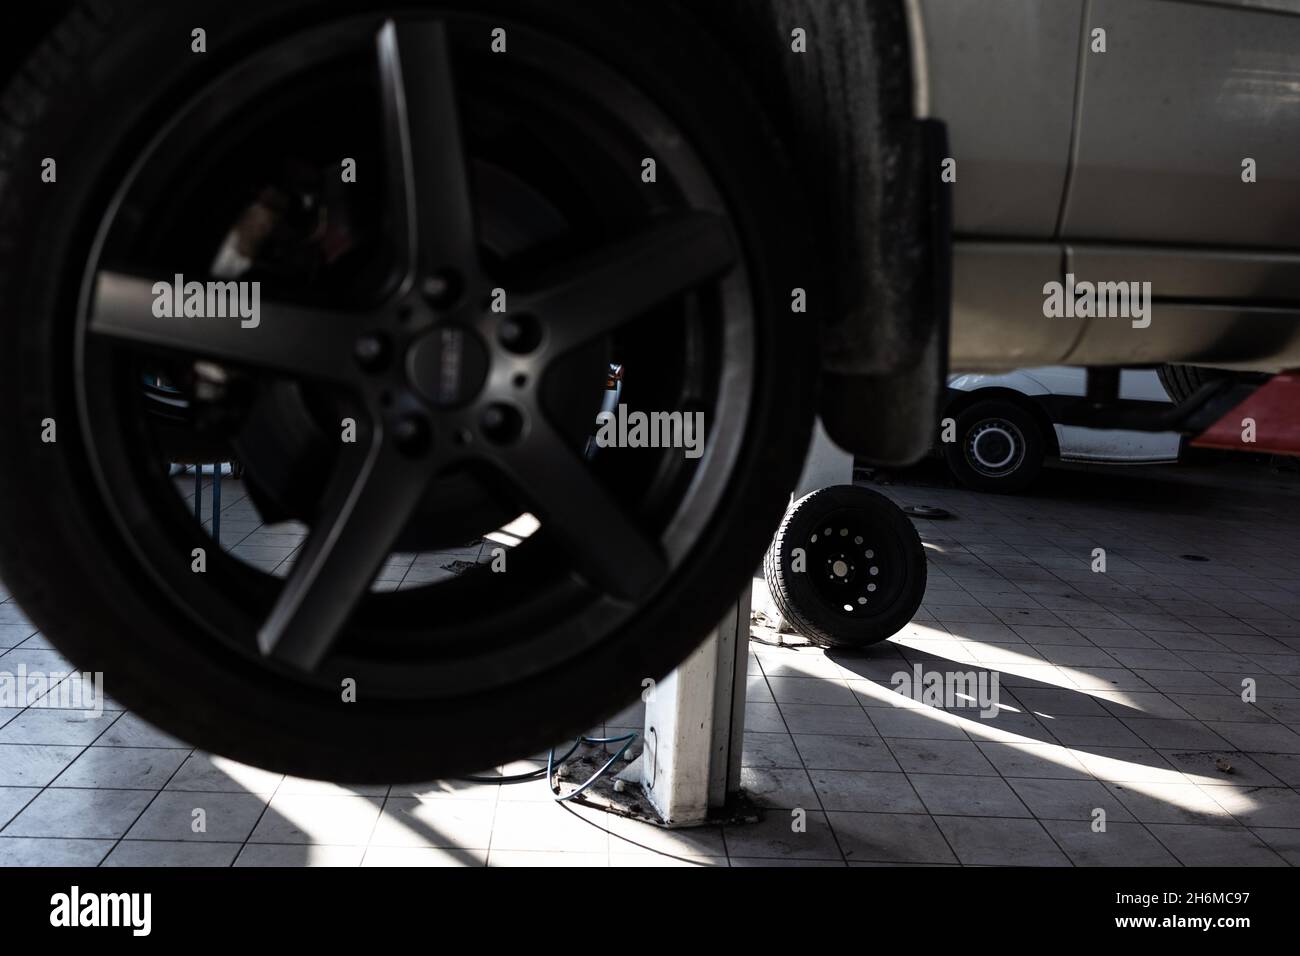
column 1120, row 700
column 273, row 548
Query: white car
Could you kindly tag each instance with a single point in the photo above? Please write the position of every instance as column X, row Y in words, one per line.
column 998, row 429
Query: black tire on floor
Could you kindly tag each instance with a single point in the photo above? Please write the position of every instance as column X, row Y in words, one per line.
column 999, row 448
column 846, row 567
column 93, row 97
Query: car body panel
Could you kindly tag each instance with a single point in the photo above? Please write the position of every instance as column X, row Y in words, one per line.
column 1011, row 138
column 1184, row 93
column 1119, row 166
column 1117, row 445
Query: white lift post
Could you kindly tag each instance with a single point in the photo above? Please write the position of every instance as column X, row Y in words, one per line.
column 695, row 718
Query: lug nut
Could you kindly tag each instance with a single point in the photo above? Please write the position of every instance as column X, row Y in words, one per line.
column 519, row 333
column 411, row 434
column 501, row 423
column 371, row 351
column 441, row 291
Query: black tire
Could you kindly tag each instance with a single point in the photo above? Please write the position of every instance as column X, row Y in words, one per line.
column 1181, row 381
column 837, row 600
column 999, row 447
column 92, row 96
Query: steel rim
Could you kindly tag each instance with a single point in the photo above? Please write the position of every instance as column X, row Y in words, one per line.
column 856, row 568
column 995, row 447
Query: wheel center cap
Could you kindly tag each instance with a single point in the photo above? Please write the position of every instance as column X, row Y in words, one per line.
column 994, row 448
column 448, row 366
column 840, row 568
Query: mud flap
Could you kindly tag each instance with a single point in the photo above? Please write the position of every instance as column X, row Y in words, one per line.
column 889, row 416
column 869, row 170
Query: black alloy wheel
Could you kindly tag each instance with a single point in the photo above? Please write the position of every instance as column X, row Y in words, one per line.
column 426, row 367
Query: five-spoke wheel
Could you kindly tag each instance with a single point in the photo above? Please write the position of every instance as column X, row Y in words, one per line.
column 436, row 250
